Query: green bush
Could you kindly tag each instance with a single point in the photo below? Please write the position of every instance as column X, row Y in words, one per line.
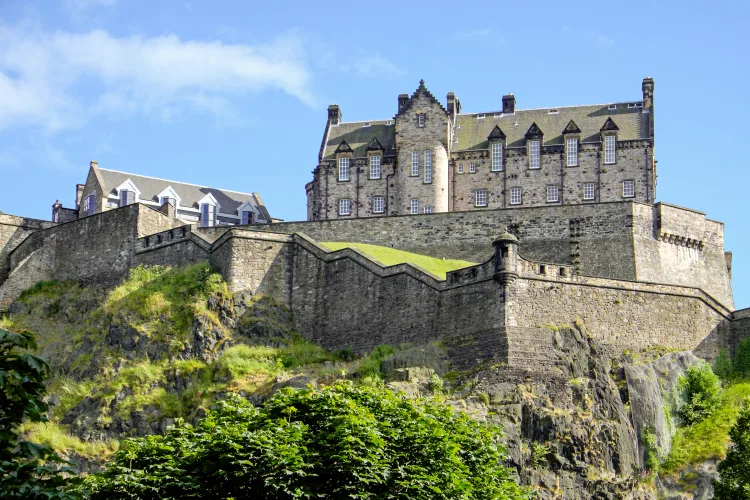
column 650, row 450
column 741, row 361
column 734, row 470
column 436, row 384
column 370, row 366
column 344, row 441
column 539, row 453
column 723, row 365
column 701, row 392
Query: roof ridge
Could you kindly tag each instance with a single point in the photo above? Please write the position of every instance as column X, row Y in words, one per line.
column 367, row 121
column 169, row 180
column 548, row 108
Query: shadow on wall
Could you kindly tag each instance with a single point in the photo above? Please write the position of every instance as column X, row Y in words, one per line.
column 726, row 336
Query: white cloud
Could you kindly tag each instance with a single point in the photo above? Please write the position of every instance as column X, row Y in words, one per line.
column 61, row 80
column 473, row 34
column 603, row 41
column 375, row 65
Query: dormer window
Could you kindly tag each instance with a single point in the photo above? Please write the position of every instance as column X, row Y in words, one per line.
column 343, row 169
column 208, row 215
column 167, row 199
column 246, row 217
column 420, row 120
column 534, row 147
column 375, row 167
column 126, row 197
column 610, row 149
column 497, row 156
column 572, row 153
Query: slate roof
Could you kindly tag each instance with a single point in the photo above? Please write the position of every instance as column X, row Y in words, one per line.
column 358, row 136
column 472, row 132
column 190, row 194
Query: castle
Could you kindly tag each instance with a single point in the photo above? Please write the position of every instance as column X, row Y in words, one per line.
column 433, row 158
column 629, row 272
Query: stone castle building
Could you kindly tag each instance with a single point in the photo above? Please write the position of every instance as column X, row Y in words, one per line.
column 433, row 158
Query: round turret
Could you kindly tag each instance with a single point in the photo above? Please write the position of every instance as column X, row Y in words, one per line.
column 506, row 258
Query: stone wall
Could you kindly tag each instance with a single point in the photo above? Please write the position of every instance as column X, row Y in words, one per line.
column 174, row 247
column 13, row 230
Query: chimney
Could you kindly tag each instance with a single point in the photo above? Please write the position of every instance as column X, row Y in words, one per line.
column 454, row 105
column 334, row 114
column 94, row 164
column 648, row 105
column 402, row 100
column 168, row 209
column 79, row 194
column 509, row 104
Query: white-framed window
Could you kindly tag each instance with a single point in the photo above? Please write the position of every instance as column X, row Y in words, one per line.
column 588, row 191
column 126, row 197
column 553, row 193
column 610, row 155
column 345, row 206
column 88, row 204
column 378, row 204
column 472, row 167
column 208, row 215
column 572, row 152
column 460, row 168
column 343, row 169
column 497, row 156
column 415, row 163
column 414, row 206
column 628, row 189
column 427, row 210
column 168, row 199
column 480, row 198
column 375, row 167
column 428, row 166
column 515, row 196
column 420, row 119
column 534, row 154
column 246, row 216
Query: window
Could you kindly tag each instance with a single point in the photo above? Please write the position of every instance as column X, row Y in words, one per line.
column 208, row 215
column 414, row 163
column 420, row 120
column 497, row 156
column 515, row 196
column 609, row 149
column 460, row 168
column 415, row 206
column 168, row 199
column 472, row 167
column 534, row 154
column 246, row 216
column 375, row 167
column 88, row 204
column 628, row 189
column 343, row 169
column 126, row 197
column 588, row 191
column 427, row 166
column 345, row 206
column 612, row 107
column 378, row 204
column 427, row 210
column 481, row 116
column 480, row 198
column 572, row 152
column 553, row 193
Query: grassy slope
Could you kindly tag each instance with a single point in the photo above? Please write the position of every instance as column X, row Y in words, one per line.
column 390, row 257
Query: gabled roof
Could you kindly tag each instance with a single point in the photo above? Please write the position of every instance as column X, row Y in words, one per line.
column 359, row 135
column 571, row 128
column 497, row 133
column 534, row 132
column 609, row 125
column 374, row 145
column 471, row 133
column 343, row 148
column 421, row 90
column 190, row 194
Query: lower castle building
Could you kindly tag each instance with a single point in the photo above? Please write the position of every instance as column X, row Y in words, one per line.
column 432, row 157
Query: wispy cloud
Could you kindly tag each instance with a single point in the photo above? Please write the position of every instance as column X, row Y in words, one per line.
column 375, row 65
column 603, row 41
column 473, row 34
column 62, row 80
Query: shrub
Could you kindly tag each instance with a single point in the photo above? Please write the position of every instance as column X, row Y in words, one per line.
column 701, row 392
column 650, row 450
column 741, row 361
column 435, row 384
column 370, row 366
column 539, row 454
column 723, row 365
column 734, row 470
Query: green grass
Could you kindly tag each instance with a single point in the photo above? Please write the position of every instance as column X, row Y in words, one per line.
column 390, row 257
column 708, row 439
column 59, row 439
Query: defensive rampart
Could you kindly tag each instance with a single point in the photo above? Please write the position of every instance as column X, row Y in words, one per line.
column 13, row 230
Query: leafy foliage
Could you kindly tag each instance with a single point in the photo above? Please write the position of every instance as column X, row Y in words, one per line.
column 701, row 390
column 723, row 365
column 741, row 360
column 340, row 442
column 734, row 470
column 27, row 470
column 650, row 450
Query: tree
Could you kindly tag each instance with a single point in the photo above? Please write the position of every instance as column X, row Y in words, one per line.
column 734, row 470
column 27, row 470
column 702, row 393
column 343, row 441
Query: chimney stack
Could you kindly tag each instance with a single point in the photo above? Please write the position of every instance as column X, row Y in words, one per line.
column 402, row 100
column 454, row 105
column 94, row 163
column 79, row 194
column 648, row 105
column 509, row 104
column 334, row 114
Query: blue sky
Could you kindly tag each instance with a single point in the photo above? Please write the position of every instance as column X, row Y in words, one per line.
column 234, row 94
